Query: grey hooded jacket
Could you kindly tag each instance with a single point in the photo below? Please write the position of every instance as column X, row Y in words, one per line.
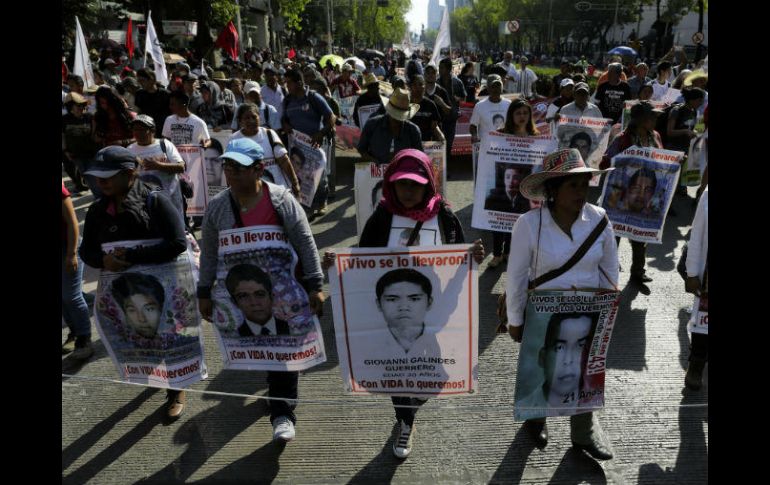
column 219, row 216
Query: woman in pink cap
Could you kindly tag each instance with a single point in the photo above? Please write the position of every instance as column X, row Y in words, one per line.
column 410, row 202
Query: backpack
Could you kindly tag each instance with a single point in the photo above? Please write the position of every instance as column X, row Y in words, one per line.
column 661, row 125
column 313, row 100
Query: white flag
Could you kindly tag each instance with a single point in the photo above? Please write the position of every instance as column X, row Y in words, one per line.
column 442, row 39
column 82, row 61
column 152, row 47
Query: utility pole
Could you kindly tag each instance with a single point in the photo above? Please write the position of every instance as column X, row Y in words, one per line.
column 328, row 26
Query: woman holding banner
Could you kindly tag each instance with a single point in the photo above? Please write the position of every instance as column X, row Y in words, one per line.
column 518, row 122
column 131, row 210
column 573, row 238
column 249, row 201
column 409, row 196
column 641, row 133
column 283, row 171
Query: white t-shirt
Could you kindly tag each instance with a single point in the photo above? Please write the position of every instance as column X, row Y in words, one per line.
column 488, row 116
column 523, row 82
column 659, row 90
column 401, row 229
column 273, row 98
column 167, row 181
column 270, row 156
column 185, row 131
column 274, row 121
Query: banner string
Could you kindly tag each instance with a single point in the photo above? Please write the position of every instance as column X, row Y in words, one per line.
column 362, row 403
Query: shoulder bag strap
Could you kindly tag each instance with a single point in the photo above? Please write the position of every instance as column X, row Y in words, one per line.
column 236, row 210
column 582, row 250
column 415, row 233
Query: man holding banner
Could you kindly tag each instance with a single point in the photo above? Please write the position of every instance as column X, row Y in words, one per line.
column 252, row 230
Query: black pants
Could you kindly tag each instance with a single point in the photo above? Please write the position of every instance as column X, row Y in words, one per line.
column 282, row 384
column 407, row 414
column 699, row 347
column 448, row 128
column 501, row 243
column 638, row 257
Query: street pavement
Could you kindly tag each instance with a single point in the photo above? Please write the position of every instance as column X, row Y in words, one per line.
column 116, row 433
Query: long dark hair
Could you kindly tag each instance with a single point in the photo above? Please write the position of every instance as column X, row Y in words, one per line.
column 509, row 125
column 116, row 103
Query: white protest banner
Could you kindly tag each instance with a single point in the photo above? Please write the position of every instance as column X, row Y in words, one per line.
column 309, row 164
column 638, row 193
column 504, row 161
column 589, row 135
column 195, row 174
column 699, row 321
column 346, row 108
column 367, row 181
column 694, row 165
column 367, row 185
column 261, row 312
column 563, row 352
column 406, row 320
column 625, row 117
column 215, row 176
column 671, row 96
column 148, row 320
column 365, row 112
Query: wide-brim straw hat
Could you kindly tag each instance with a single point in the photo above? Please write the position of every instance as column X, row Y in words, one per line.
column 697, row 74
column 399, row 107
column 560, row 163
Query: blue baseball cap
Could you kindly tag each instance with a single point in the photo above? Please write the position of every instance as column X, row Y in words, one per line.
column 111, row 160
column 244, row 151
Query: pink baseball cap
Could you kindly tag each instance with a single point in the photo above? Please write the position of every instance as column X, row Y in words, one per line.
column 410, row 169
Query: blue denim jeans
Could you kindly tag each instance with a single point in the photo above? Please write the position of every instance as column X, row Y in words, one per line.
column 73, row 306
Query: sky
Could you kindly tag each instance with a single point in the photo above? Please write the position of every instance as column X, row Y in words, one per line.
column 418, row 15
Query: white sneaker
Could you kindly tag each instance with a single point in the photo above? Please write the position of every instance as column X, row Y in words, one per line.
column 403, row 444
column 283, row 429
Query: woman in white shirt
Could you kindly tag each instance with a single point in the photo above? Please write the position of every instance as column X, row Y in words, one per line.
column 543, row 240
column 277, row 164
column 697, row 284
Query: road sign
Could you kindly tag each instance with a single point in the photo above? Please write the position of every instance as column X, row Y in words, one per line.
column 512, row 26
column 697, row 38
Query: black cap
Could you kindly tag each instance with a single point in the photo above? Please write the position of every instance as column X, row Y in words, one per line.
column 111, row 160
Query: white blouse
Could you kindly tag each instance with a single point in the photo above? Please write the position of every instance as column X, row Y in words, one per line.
column 556, row 248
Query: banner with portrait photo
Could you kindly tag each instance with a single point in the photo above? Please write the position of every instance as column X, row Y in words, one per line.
column 463, row 123
column 347, row 106
column 366, row 112
column 261, row 313
column 215, row 175
column 195, row 174
column 563, row 352
column 406, row 320
column 367, row 181
column 589, row 135
column 699, row 320
column 148, row 319
column 309, row 164
column 504, row 161
column 638, row 193
column 695, row 164
column 540, row 109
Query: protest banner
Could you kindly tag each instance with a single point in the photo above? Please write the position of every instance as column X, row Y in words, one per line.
column 504, row 161
column 423, row 338
column 638, row 193
column 366, row 112
column 215, row 176
column 462, row 145
column 347, row 104
column 195, row 175
column 462, row 142
column 625, row 117
column 367, row 181
column 563, row 352
column 699, row 321
column 671, row 96
column 695, row 163
column 589, row 135
column 540, row 109
column 309, row 164
column 347, row 137
column 256, row 292
column 148, row 319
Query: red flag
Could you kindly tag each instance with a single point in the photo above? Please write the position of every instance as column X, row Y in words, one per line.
column 291, row 54
column 130, row 40
column 228, row 40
